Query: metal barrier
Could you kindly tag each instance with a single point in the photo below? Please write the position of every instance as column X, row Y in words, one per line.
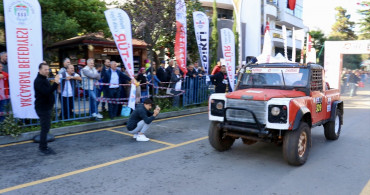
column 196, row 91
column 74, row 100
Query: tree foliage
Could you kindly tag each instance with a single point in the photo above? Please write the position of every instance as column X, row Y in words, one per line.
column 155, row 22
column 365, row 22
column 318, row 40
column 342, row 29
column 214, row 36
column 63, row 19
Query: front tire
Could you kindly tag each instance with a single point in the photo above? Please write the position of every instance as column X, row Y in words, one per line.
column 297, row 144
column 332, row 128
column 217, row 139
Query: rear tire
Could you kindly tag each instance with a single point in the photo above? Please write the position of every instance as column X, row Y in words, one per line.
column 217, row 139
column 332, row 128
column 297, row 144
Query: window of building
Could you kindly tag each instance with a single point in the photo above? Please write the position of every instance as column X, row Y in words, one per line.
column 297, row 12
column 273, row 2
column 221, row 13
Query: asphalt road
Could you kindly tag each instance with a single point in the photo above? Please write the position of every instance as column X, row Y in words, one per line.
column 179, row 160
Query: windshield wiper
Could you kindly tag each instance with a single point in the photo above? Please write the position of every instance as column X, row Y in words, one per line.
column 283, row 77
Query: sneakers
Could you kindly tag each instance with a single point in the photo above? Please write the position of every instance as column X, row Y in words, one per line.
column 134, row 136
column 141, row 138
column 46, row 152
column 99, row 116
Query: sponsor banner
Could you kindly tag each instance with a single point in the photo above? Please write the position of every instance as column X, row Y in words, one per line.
column 265, row 57
column 228, row 50
column 293, row 46
column 25, row 53
column 276, row 70
column 120, row 25
column 285, row 42
column 181, row 42
column 201, row 27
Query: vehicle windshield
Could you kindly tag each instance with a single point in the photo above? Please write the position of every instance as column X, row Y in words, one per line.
column 291, row 77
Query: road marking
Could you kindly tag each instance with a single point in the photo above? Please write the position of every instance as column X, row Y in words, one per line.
column 17, row 143
column 59, row 136
column 153, row 140
column 85, row 132
column 17, row 187
column 165, row 119
column 366, row 190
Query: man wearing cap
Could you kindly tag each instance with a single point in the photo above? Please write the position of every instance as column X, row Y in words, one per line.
column 141, row 119
column 161, row 72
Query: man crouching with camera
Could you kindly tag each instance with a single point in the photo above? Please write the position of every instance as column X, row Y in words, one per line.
column 141, row 119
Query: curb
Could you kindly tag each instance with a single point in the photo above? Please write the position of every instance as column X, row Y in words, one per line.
column 91, row 126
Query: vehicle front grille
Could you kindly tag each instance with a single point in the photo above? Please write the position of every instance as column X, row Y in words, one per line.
column 258, row 107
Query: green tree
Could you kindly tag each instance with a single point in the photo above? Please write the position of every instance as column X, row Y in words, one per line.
column 236, row 34
column 63, row 19
column 318, row 40
column 342, row 29
column 155, row 22
column 214, row 37
column 365, row 21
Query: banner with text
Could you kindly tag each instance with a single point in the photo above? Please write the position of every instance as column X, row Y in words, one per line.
column 24, row 48
column 201, row 27
column 120, row 25
column 228, row 51
column 181, row 42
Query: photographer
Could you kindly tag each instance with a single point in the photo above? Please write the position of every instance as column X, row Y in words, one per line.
column 141, row 119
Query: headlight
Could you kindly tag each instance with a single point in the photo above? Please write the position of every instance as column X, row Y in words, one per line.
column 220, row 105
column 275, row 111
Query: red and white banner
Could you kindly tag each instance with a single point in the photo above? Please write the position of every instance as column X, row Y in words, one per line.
column 181, row 42
column 201, row 27
column 120, row 25
column 228, row 51
column 285, row 42
column 24, row 48
column 293, row 45
column 310, row 51
column 265, row 56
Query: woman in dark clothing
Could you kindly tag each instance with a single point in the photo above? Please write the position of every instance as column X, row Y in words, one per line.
column 141, row 78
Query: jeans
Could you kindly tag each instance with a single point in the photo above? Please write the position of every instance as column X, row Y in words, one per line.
column 68, row 106
column 92, row 101
column 141, row 127
column 3, row 106
column 144, row 93
column 352, row 88
column 113, row 108
column 45, row 123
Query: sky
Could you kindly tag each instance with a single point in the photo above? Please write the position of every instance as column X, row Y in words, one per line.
column 320, row 14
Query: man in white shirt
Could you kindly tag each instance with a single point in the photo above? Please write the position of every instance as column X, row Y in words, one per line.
column 114, row 77
column 68, row 85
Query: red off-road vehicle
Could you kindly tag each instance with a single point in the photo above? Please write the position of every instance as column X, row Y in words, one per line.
column 277, row 103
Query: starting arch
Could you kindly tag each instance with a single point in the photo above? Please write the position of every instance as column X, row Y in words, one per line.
column 333, row 60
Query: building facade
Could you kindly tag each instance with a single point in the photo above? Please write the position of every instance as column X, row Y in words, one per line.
column 254, row 14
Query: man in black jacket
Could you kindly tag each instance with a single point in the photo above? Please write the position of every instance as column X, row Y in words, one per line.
column 161, row 72
column 220, row 80
column 44, row 103
column 169, row 70
column 141, row 118
column 114, row 77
